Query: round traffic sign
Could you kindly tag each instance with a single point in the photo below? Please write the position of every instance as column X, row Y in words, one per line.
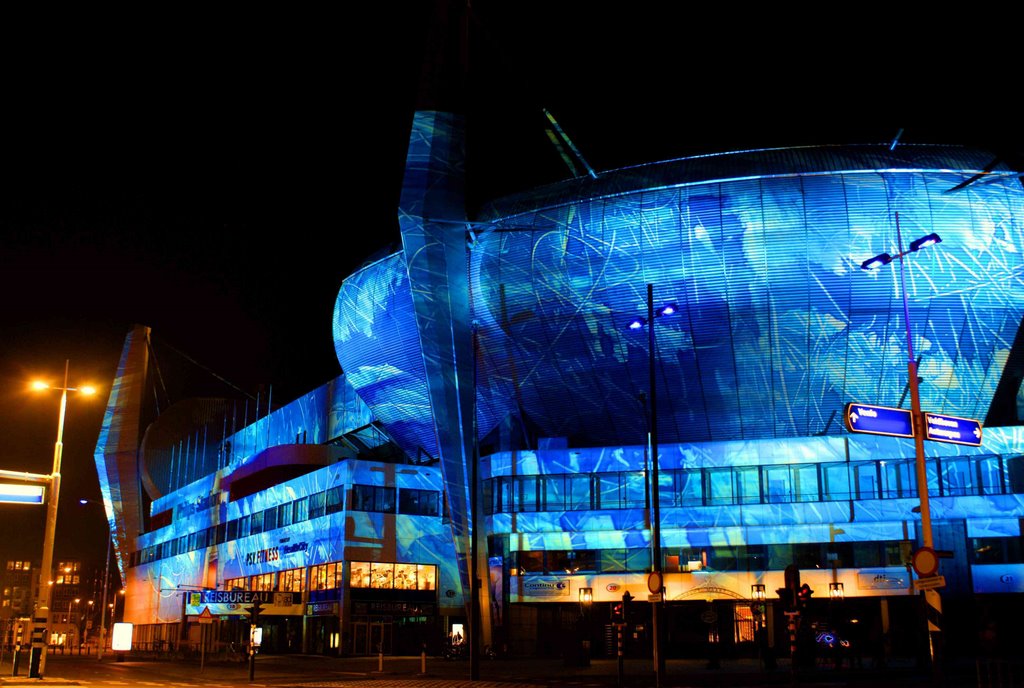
column 925, row 561
column 654, row 581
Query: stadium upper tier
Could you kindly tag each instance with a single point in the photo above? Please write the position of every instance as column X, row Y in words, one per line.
column 775, row 328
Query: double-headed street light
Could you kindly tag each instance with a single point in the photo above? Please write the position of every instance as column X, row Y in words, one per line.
column 41, row 618
column 655, row 582
column 931, row 596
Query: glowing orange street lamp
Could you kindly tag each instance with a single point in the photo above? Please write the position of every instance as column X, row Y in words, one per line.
column 41, row 617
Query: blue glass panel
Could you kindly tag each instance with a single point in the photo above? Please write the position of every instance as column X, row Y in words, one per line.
column 778, row 326
column 378, row 347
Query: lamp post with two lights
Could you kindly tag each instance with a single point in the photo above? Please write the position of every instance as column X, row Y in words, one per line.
column 933, row 601
column 655, row 582
column 42, row 616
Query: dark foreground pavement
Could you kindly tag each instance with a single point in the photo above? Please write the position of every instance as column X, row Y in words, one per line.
column 405, row 672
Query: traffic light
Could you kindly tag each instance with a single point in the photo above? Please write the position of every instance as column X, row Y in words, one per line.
column 791, row 591
column 618, row 613
column 254, row 612
column 803, row 596
column 626, row 599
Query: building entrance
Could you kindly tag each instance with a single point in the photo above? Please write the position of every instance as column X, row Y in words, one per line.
column 372, row 634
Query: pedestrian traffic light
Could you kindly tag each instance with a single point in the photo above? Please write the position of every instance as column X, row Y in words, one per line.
column 618, row 613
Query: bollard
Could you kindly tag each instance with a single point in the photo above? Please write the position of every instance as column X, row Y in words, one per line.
column 792, row 619
column 423, row 659
column 380, row 661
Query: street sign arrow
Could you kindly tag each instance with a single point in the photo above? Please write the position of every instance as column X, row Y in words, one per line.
column 879, row 420
column 942, row 428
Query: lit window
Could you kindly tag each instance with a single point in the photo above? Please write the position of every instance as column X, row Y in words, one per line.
column 360, row 575
column 382, row 576
column 426, row 577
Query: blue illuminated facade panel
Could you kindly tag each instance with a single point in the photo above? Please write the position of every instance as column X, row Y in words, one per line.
column 407, row 530
column 777, row 326
column 351, row 487
column 378, row 346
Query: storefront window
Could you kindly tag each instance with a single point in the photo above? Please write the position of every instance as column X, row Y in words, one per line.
column 426, row 577
column 291, row 580
column 263, row 582
column 382, row 576
column 325, row 576
column 405, row 576
column 388, row 576
column 360, row 575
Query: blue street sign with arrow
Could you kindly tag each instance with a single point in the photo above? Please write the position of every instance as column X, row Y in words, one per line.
column 879, row 420
column 941, row 428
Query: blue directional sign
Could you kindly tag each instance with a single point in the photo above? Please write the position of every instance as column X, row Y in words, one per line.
column 879, row 420
column 951, row 429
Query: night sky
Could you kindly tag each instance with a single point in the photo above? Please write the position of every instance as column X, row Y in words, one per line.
column 216, row 180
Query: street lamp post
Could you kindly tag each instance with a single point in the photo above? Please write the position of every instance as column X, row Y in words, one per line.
column 106, row 581
column 85, row 634
column 932, row 599
column 41, row 617
column 656, row 581
column 67, row 630
column 113, row 607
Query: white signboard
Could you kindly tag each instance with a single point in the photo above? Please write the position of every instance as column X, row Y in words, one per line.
column 121, row 641
column 883, row 579
column 545, row 587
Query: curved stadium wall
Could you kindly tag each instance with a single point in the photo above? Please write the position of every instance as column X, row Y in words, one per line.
column 777, row 327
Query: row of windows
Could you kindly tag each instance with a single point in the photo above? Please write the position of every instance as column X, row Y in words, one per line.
column 727, row 558
column 364, row 574
column 360, row 498
column 990, row 550
column 19, row 565
column 812, row 555
column 772, row 484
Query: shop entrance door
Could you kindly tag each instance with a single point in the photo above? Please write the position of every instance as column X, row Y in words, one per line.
column 372, row 635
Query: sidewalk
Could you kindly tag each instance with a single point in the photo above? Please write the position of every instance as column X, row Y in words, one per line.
column 352, row 672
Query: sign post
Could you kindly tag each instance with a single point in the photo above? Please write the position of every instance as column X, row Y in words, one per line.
column 205, row 619
column 254, row 636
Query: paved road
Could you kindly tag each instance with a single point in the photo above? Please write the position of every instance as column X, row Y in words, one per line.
column 308, row 671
